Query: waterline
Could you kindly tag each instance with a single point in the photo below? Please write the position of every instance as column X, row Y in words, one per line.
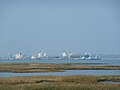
column 66, row 73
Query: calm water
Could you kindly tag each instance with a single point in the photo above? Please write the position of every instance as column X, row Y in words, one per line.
column 66, row 73
column 110, row 82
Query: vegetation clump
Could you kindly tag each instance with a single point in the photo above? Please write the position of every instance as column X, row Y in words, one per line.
column 59, row 83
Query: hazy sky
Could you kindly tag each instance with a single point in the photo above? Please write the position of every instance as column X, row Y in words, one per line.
column 80, row 26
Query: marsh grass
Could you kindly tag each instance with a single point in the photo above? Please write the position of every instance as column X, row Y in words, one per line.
column 33, row 67
column 59, row 83
column 56, row 82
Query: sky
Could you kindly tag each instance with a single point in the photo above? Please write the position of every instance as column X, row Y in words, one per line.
column 29, row 26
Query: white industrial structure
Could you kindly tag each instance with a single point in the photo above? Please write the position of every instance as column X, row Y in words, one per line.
column 41, row 55
column 66, row 54
column 33, row 57
column 18, row 56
